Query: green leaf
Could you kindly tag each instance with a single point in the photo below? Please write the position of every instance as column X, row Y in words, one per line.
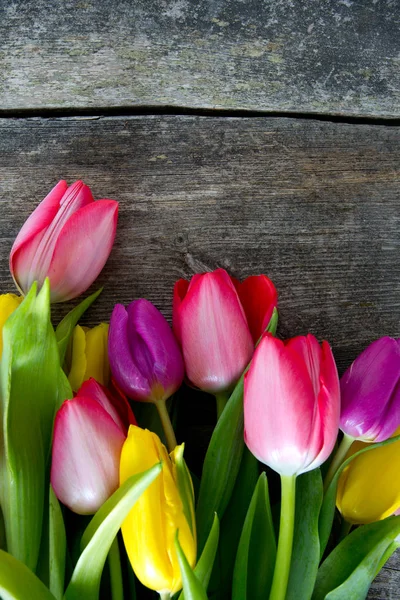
column 328, row 505
column 232, row 524
column 17, row 582
column 351, row 567
column 205, row 563
column 66, row 327
column 57, row 547
column 100, row 533
column 185, row 487
column 306, row 552
column 30, row 375
column 273, row 323
column 192, row 587
column 221, row 464
column 255, row 559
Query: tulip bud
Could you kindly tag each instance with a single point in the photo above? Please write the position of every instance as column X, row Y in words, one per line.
column 89, row 356
column 149, row 530
column 217, row 321
column 291, row 404
column 144, row 355
column 8, row 303
column 89, row 432
column 371, row 393
column 368, row 488
column 67, row 238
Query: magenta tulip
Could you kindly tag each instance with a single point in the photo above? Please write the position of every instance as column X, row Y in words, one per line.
column 217, row 321
column 371, row 393
column 144, row 356
column 67, row 238
column 291, row 404
column 89, row 432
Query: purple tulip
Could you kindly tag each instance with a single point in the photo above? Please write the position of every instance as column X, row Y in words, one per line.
column 370, row 391
column 145, row 358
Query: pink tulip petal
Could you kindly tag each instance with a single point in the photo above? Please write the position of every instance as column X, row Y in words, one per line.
column 82, row 249
column 259, row 297
column 25, row 245
column 180, row 290
column 310, row 353
column 279, row 407
column 87, row 447
column 215, row 337
column 113, row 402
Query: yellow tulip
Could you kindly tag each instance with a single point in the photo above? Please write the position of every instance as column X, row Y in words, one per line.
column 150, row 529
column 8, row 303
column 369, row 488
column 89, row 356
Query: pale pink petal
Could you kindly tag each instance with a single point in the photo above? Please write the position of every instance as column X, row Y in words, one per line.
column 309, row 350
column 82, row 249
column 31, row 233
column 215, row 338
column 278, row 407
column 86, row 452
column 328, row 409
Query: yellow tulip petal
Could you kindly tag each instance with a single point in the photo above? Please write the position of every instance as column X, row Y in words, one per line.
column 78, row 358
column 150, row 529
column 8, row 303
column 97, row 365
column 368, row 488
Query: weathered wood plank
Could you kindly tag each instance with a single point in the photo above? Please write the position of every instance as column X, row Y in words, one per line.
column 273, row 55
column 312, row 204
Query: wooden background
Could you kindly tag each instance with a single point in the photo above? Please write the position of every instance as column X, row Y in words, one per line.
column 295, row 175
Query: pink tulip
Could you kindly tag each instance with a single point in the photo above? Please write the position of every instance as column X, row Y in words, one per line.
column 89, row 432
column 67, row 238
column 291, row 404
column 217, row 321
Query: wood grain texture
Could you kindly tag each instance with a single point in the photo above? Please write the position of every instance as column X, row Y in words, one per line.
column 270, row 55
column 312, row 204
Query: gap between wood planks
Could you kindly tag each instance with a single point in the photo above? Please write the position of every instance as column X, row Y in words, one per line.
column 122, row 111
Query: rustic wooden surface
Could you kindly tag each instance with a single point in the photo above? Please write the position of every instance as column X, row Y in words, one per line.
column 332, row 56
column 312, row 204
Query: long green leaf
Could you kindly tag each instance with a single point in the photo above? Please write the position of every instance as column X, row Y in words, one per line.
column 100, row 533
column 223, row 458
column 205, row 563
column 57, row 547
column 232, row 524
column 351, row 567
column 17, row 582
column 306, row 552
column 221, row 464
column 255, row 559
column 66, row 327
column 192, row 587
column 185, row 487
column 328, row 505
column 30, row 378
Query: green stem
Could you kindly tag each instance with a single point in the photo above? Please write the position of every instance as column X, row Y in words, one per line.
column 166, row 424
column 285, row 542
column 114, row 563
column 165, row 596
column 221, row 398
column 338, row 458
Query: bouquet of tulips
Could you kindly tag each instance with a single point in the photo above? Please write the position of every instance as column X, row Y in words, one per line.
column 299, row 488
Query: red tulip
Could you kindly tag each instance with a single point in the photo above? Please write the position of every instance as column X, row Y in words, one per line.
column 218, row 320
column 89, row 432
column 67, row 238
column 292, row 404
